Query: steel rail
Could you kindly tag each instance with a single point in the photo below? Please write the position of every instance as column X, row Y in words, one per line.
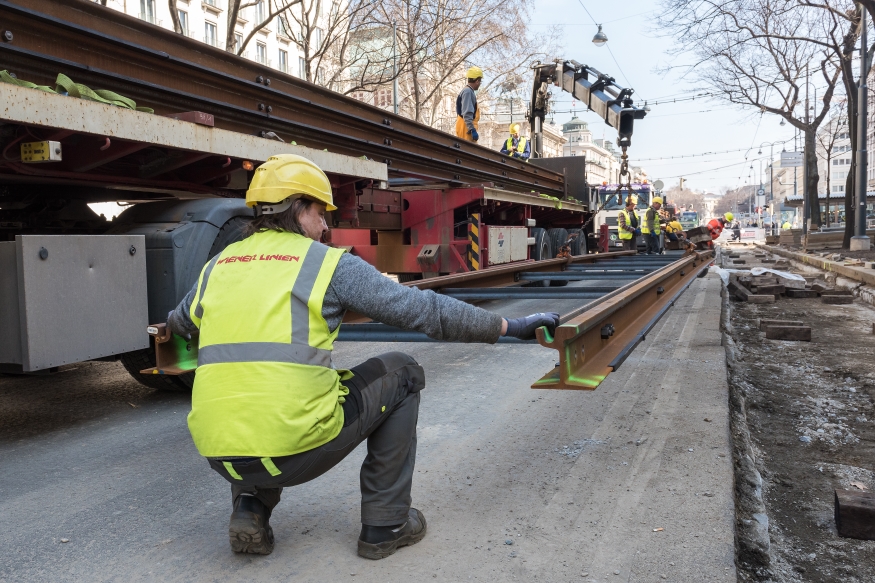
column 635, row 307
column 109, row 50
column 594, row 340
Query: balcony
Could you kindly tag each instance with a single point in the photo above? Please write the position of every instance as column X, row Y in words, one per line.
column 150, row 18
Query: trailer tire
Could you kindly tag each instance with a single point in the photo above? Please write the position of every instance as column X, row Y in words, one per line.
column 138, row 360
column 557, row 240
column 231, row 232
column 540, row 251
column 578, row 245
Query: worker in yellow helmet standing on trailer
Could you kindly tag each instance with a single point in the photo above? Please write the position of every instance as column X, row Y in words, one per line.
column 515, row 145
column 269, row 410
column 467, row 112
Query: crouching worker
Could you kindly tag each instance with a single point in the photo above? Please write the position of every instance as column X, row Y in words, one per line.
column 269, row 411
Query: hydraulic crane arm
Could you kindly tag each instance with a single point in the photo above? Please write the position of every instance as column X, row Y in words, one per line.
column 598, row 91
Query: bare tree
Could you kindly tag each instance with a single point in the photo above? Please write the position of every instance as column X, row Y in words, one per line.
column 266, row 12
column 759, row 53
column 440, row 38
column 174, row 16
column 325, row 32
column 826, row 141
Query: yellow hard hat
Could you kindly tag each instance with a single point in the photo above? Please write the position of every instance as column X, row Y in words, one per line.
column 474, row 73
column 632, row 199
column 657, row 199
column 514, row 128
column 288, row 176
column 729, row 216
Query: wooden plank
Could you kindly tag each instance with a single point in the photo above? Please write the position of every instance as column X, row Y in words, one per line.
column 836, row 300
column 800, row 333
column 746, row 295
column 763, row 322
column 775, row 290
column 855, row 514
column 801, row 293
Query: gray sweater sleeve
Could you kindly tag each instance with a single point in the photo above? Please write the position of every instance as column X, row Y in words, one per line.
column 469, row 106
column 180, row 318
column 357, row 286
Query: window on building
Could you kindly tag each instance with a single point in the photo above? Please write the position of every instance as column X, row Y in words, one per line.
column 317, row 39
column 282, row 61
column 210, row 34
column 210, row 2
column 282, row 28
column 183, row 21
column 259, row 12
column 238, row 42
column 302, row 67
column 261, row 53
column 320, row 76
column 147, row 10
column 384, row 97
column 360, row 96
column 838, row 188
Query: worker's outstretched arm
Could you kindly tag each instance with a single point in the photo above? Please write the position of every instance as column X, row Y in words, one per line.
column 357, row 286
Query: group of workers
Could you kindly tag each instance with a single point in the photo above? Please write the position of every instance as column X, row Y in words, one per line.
column 631, row 225
column 468, row 119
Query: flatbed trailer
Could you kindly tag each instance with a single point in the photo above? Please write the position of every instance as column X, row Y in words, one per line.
column 412, row 200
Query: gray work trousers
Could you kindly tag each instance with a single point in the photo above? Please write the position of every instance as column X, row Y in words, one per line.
column 630, row 244
column 382, row 408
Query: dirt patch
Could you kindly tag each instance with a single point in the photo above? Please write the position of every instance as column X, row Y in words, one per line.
column 810, row 417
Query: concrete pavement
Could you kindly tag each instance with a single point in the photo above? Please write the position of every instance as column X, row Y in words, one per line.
column 577, row 481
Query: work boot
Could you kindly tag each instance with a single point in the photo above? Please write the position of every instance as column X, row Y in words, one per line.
column 249, row 531
column 378, row 542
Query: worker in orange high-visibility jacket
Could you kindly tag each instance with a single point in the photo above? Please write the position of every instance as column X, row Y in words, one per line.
column 269, row 410
column 467, row 112
column 716, row 225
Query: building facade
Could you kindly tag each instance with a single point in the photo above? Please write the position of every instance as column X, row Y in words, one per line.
column 602, row 159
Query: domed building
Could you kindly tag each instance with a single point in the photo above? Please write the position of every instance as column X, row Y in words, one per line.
column 602, row 160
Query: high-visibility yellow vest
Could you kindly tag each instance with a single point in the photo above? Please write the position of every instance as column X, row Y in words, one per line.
column 656, row 228
column 521, row 146
column 264, row 384
column 673, row 227
column 626, row 235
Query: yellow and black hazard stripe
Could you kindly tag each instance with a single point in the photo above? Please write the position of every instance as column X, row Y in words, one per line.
column 474, row 242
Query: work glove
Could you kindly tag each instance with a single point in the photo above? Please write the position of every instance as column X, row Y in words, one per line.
column 637, row 232
column 524, row 328
column 474, row 135
column 176, row 327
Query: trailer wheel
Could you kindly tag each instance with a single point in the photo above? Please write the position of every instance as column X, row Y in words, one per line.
column 578, row 245
column 540, row 251
column 557, row 240
column 231, row 232
column 138, row 360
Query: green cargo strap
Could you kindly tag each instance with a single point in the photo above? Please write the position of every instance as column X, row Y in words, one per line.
column 7, row 78
column 232, row 471
column 270, row 466
column 64, row 84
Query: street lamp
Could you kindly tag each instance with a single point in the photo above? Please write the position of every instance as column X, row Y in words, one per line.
column 600, row 38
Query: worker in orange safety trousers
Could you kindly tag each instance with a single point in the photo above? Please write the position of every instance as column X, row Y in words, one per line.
column 467, row 112
column 269, row 410
column 515, row 145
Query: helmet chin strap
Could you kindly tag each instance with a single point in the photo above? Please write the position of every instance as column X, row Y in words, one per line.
column 273, row 209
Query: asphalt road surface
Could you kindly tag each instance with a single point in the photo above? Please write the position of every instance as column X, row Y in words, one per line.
column 100, row 481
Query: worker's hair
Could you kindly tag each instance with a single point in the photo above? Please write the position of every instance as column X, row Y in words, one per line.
column 287, row 221
column 473, row 79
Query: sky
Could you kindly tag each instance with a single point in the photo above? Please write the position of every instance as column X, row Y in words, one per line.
column 637, row 50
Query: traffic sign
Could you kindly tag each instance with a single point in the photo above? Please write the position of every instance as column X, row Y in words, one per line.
column 658, row 184
column 791, row 159
column 761, row 191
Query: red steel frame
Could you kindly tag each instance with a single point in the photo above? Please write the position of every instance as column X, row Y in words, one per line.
column 431, row 217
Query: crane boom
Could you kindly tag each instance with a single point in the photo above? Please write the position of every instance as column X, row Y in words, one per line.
column 599, row 92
